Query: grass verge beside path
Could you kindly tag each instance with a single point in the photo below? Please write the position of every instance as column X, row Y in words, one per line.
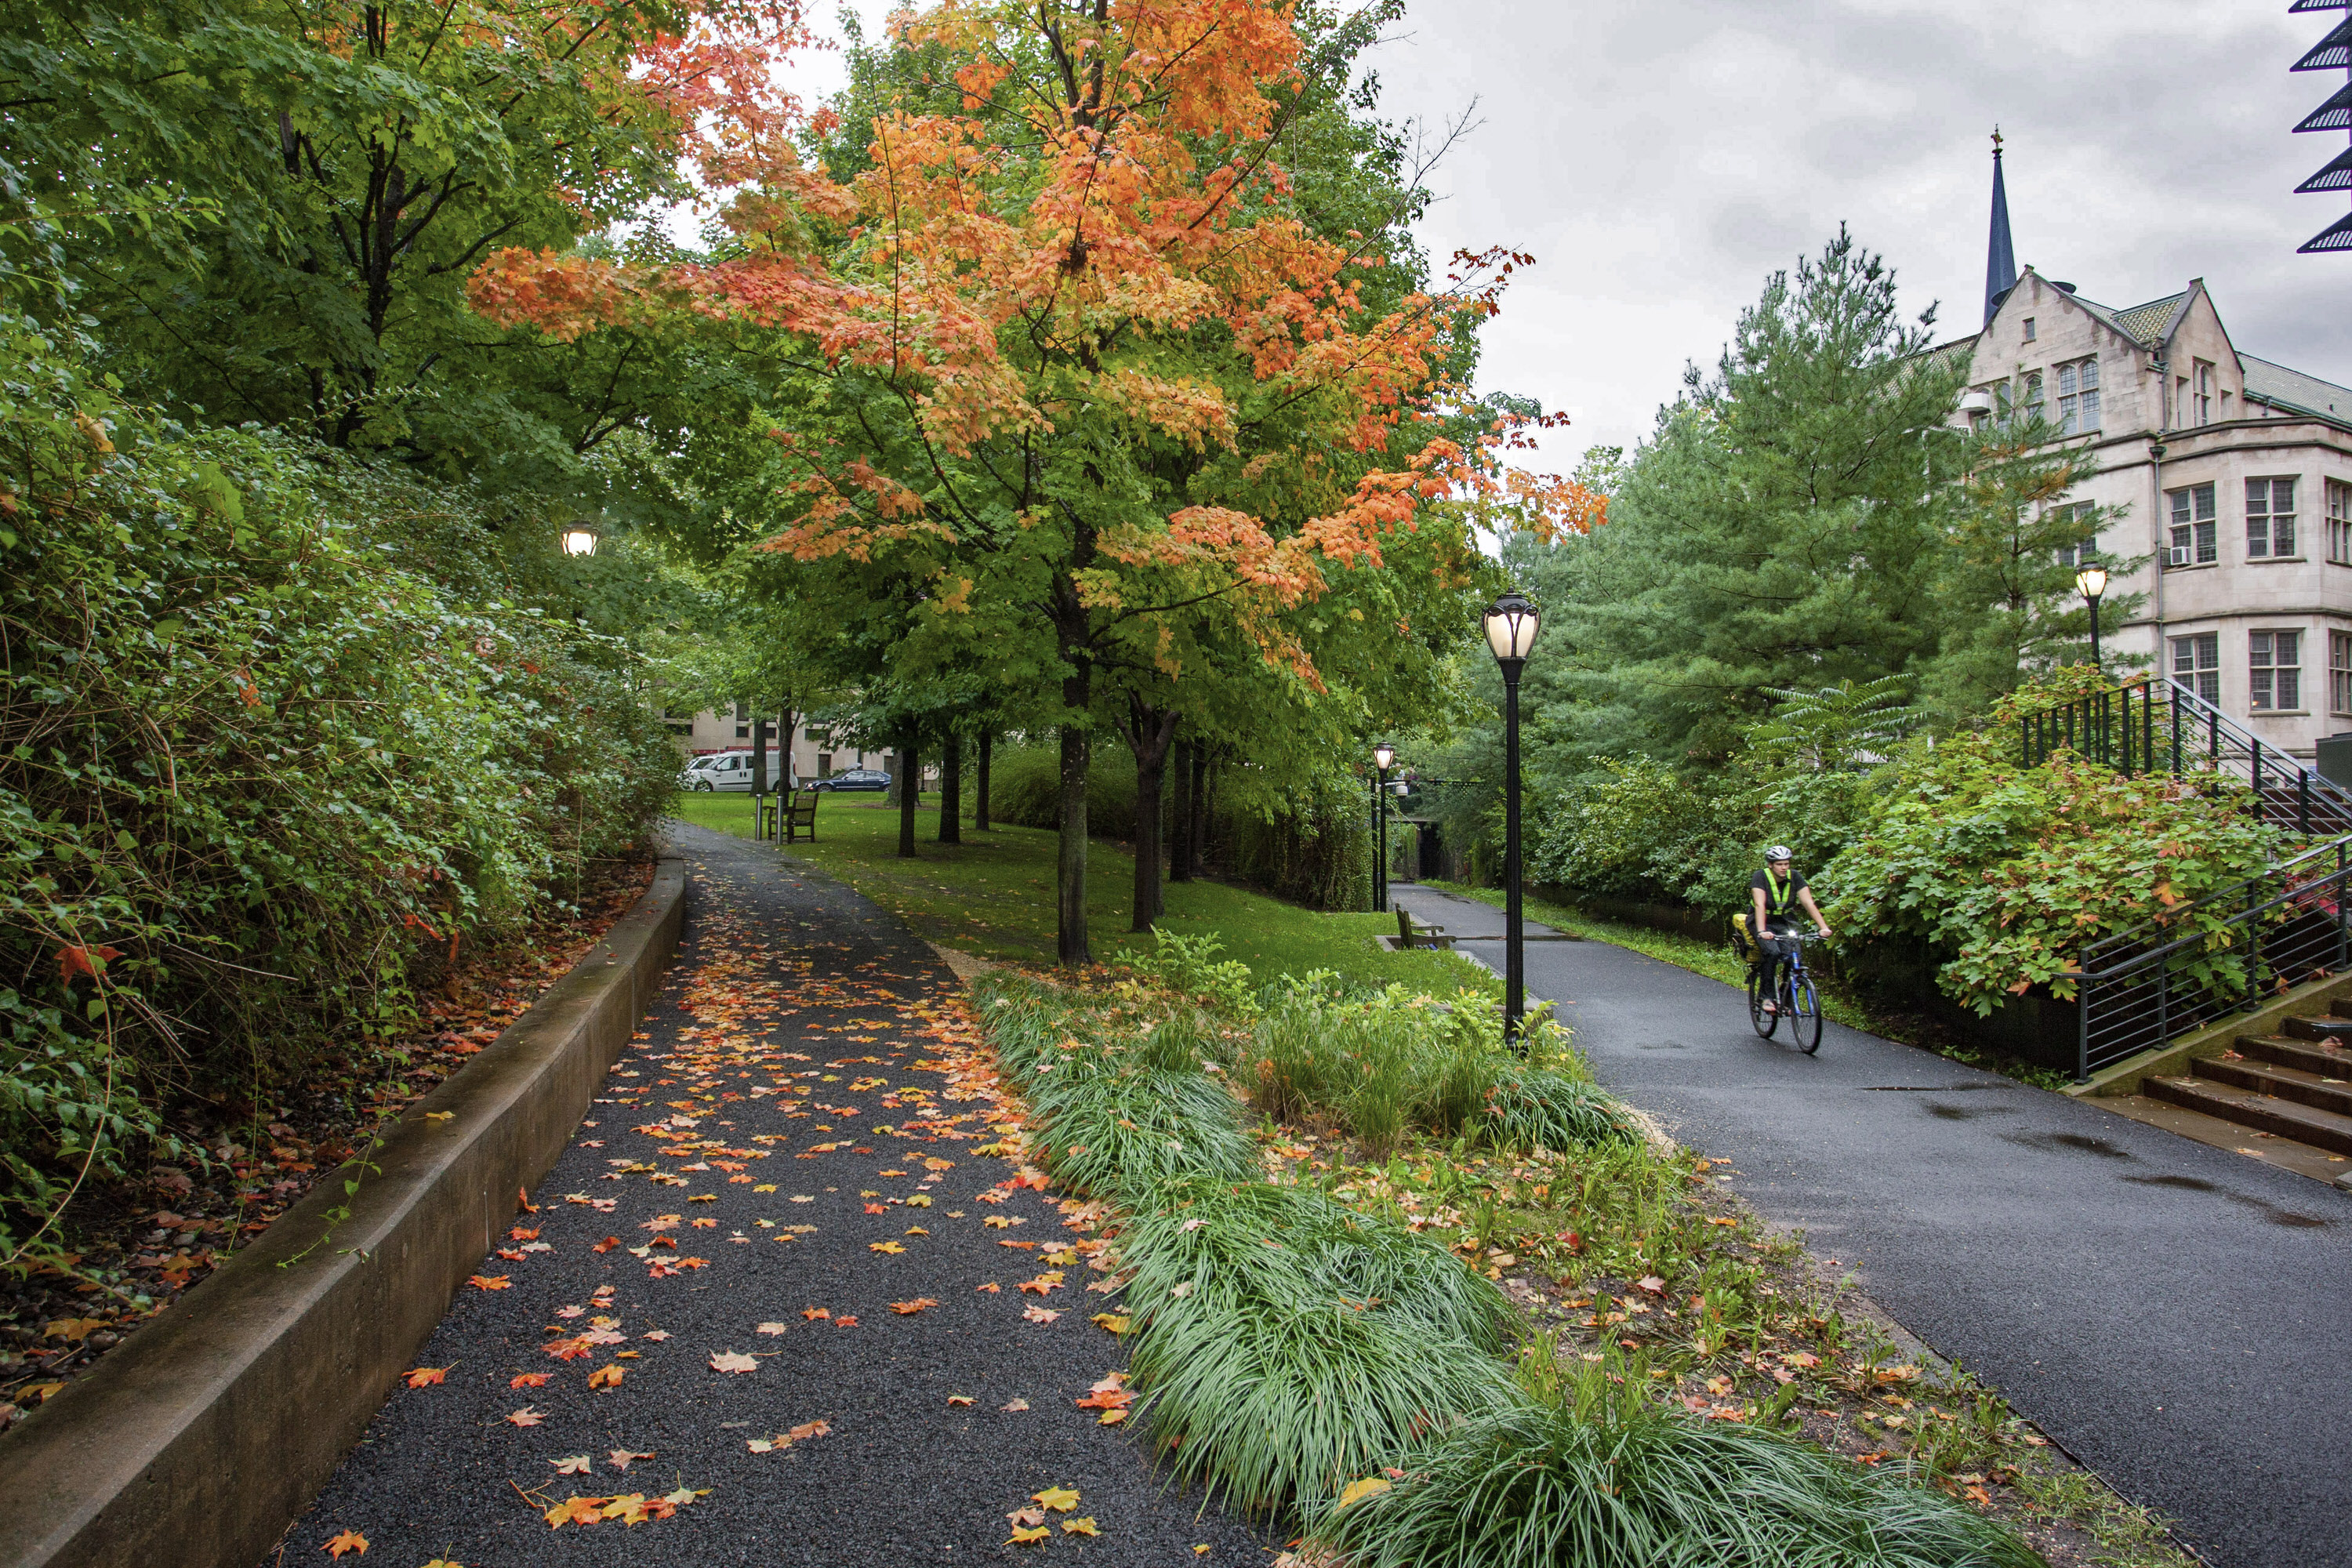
column 993, row 895
column 1715, row 960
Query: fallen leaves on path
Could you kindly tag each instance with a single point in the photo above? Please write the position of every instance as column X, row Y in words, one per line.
column 1061, row 1499
column 732, row 1360
column 425, row 1377
column 349, row 1540
column 529, row 1380
column 891, row 1246
column 772, row 1329
column 806, row 1431
column 621, row 1458
column 1082, row 1525
column 526, row 1416
column 1039, row 1315
column 909, row 1309
column 604, row 1377
column 1016, row 1404
column 488, row 1281
column 576, row 1465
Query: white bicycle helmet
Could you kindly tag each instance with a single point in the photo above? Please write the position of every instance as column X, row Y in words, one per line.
column 1779, row 852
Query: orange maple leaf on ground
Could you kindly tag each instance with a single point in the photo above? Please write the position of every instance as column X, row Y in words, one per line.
column 528, row 1380
column 488, row 1281
column 1040, row 1315
column 604, row 1377
column 424, row 1376
column 909, row 1309
column 1043, row 1283
column 584, row 1509
column 349, row 1540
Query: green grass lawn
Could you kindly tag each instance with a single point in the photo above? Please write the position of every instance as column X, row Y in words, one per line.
column 993, row 895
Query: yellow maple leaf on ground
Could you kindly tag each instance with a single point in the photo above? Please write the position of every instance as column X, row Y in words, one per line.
column 629, row 1509
column 1114, row 1321
column 1363, row 1489
column 1061, row 1499
column 1082, row 1525
column 353, row 1541
column 1029, row 1537
column 604, row 1377
column 883, row 1247
column 580, row 1510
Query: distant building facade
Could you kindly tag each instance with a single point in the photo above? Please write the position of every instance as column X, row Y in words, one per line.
column 2230, row 475
column 815, row 756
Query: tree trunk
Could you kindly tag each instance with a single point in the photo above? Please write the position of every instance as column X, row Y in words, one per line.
column 1070, row 870
column 910, row 779
column 1147, row 733
column 980, row 781
column 785, row 774
column 759, row 755
column 1200, row 808
column 1180, row 811
column 950, row 785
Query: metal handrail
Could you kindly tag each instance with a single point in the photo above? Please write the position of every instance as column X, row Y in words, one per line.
column 2232, row 896
column 2290, row 927
column 2145, row 727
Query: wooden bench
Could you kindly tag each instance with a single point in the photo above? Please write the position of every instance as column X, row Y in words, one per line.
column 1411, row 935
column 789, row 818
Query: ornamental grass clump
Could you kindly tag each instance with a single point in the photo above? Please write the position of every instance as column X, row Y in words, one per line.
column 1120, row 1137
column 1626, row 1485
column 1264, row 1405
column 1539, row 1108
column 1257, row 1246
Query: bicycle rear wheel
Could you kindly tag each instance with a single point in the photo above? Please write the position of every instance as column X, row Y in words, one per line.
column 1765, row 1024
column 1805, row 1015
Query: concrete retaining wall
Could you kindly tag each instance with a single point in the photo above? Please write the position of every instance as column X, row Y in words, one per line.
column 198, row 1441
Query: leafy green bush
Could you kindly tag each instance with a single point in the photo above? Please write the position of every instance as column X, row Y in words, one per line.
column 1628, row 1485
column 258, row 776
column 2003, row 872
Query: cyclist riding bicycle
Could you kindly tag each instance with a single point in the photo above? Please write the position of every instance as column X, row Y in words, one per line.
column 1772, row 892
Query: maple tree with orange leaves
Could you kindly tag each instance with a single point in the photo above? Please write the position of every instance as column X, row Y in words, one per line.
column 1085, row 389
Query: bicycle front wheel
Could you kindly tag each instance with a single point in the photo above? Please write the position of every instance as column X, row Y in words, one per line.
column 1805, row 1015
column 1765, row 1024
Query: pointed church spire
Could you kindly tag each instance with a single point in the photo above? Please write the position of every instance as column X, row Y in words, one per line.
column 2001, row 257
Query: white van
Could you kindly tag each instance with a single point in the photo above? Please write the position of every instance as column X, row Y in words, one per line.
column 731, row 773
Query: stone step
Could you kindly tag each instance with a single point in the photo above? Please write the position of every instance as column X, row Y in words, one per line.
column 2322, row 1060
column 2330, row 1028
column 2285, row 1082
column 2263, row 1112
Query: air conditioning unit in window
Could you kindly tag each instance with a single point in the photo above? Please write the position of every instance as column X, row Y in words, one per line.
column 2178, row 555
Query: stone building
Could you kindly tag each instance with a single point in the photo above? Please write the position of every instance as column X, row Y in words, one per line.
column 2230, row 477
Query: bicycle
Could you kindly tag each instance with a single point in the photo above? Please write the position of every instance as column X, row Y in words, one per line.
column 1798, row 1001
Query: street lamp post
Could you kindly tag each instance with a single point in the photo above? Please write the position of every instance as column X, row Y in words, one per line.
column 2091, row 582
column 580, row 537
column 1383, row 755
column 1511, row 623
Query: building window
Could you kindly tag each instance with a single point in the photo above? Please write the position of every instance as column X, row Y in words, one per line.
column 2033, row 404
column 2270, row 518
column 2274, row 661
column 2083, row 549
column 2339, row 522
column 2029, row 328
column 824, row 765
column 2196, row 530
column 2078, row 397
column 2339, row 672
column 2203, row 406
column 2197, row 665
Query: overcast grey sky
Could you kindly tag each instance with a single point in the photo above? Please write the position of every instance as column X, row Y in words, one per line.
column 1660, row 159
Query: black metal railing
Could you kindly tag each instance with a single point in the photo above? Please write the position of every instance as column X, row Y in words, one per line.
column 2148, row 726
column 2222, row 954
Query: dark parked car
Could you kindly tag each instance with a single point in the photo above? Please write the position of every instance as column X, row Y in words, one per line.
column 853, row 778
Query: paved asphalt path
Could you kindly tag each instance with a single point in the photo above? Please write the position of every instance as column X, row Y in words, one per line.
column 2177, row 1317
column 783, row 971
